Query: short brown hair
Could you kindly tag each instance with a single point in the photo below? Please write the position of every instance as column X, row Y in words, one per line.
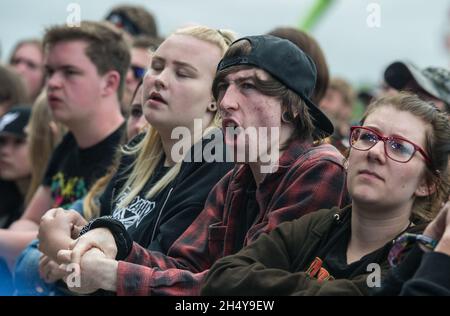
column 147, row 42
column 12, row 89
column 310, row 46
column 107, row 48
column 345, row 89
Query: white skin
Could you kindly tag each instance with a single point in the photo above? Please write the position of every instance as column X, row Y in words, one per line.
column 334, row 106
column 383, row 190
column 139, row 57
column 28, row 63
column 180, row 77
column 136, row 122
column 242, row 105
column 439, row 229
column 80, row 97
column 73, row 82
column 57, row 229
column 15, row 160
column 87, row 103
column 177, row 87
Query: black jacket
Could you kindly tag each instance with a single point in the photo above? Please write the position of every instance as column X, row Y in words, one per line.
column 171, row 211
column 419, row 274
column 297, row 258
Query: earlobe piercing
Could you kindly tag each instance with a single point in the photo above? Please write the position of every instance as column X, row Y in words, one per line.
column 213, row 107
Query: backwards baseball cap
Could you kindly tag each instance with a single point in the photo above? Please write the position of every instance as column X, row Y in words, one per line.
column 289, row 65
column 15, row 121
column 434, row 80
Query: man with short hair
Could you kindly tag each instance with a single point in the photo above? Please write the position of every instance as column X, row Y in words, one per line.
column 85, row 68
column 262, row 82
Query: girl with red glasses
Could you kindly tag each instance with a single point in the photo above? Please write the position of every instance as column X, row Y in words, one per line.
column 397, row 177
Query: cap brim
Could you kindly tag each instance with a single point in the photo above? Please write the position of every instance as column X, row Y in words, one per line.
column 399, row 74
column 321, row 121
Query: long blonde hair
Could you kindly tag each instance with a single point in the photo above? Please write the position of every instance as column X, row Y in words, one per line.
column 149, row 151
column 44, row 135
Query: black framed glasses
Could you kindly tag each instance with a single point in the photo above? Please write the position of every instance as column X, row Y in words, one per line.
column 138, row 72
column 396, row 148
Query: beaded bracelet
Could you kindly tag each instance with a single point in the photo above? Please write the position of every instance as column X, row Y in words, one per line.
column 406, row 242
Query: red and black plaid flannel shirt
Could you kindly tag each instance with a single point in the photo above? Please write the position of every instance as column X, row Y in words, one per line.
column 308, row 179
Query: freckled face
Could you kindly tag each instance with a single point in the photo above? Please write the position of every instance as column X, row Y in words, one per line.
column 242, row 105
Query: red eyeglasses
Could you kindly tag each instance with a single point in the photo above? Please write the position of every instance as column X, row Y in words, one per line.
column 396, row 148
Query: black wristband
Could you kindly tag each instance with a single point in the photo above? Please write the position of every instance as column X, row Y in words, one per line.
column 123, row 240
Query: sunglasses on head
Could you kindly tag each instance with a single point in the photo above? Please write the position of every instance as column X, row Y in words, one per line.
column 122, row 22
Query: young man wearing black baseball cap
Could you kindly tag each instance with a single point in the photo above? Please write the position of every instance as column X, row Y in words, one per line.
column 262, row 82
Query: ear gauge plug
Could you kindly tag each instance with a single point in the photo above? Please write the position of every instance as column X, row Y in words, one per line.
column 212, row 107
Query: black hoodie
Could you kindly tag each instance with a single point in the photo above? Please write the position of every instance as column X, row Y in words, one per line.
column 158, row 222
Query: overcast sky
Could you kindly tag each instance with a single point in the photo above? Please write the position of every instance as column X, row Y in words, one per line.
column 412, row 29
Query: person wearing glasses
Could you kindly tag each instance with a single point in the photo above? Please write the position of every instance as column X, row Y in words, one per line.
column 261, row 82
column 27, row 59
column 397, row 171
column 141, row 51
column 153, row 194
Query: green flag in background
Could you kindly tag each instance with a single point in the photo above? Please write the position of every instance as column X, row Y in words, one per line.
column 315, row 13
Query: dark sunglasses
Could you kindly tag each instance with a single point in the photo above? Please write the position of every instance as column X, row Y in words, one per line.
column 138, row 72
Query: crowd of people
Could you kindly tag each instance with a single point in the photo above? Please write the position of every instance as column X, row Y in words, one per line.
column 209, row 164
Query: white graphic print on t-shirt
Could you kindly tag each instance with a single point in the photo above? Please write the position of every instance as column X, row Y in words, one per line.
column 134, row 212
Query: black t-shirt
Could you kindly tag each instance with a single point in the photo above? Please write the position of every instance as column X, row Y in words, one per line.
column 335, row 261
column 72, row 170
column 334, row 254
column 140, row 214
column 157, row 222
column 11, row 203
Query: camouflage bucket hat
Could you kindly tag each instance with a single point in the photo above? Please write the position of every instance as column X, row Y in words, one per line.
column 434, row 80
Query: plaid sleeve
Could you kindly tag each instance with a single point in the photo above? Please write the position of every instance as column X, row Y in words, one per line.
column 182, row 270
column 317, row 184
column 138, row 280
